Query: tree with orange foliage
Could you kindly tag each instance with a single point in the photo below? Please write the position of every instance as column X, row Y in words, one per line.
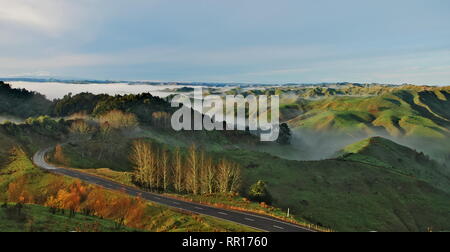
column 72, row 198
column 120, row 208
column 53, row 203
column 59, row 154
column 18, row 194
column 97, row 204
column 136, row 214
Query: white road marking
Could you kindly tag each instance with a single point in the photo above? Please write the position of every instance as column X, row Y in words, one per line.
column 222, row 213
column 249, row 219
column 176, row 203
column 278, row 227
column 199, row 208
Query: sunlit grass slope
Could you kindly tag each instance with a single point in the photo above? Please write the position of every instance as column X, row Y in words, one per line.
column 405, row 112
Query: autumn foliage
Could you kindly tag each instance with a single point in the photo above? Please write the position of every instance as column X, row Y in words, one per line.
column 90, row 200
column 59, row 154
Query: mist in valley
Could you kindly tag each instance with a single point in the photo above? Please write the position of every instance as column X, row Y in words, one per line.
column 311, row 145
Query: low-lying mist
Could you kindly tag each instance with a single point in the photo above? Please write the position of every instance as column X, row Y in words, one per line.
column 311, row 145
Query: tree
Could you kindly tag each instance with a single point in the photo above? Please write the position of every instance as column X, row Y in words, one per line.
column 236, row 178
column 193, row 171
column 161, row 119
column 80, row 127
column 144, row 162
column 18, row 193
column 285, row 136
column 228, row 176
column 59, row 154
column 97, row 204
column 165, row 169
column 259, row 193
column 117, row 119
column 208, row 176
column 178, row 175
column 71, row 199
column 136, row 214
column 121, row 207
column 53, row 203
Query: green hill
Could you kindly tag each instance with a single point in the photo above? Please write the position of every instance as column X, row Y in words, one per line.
column 390, row 155
column 404, row 112
column 21, row 103
column 349, row 195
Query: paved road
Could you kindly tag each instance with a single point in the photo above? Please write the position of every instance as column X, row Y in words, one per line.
column 262, row 223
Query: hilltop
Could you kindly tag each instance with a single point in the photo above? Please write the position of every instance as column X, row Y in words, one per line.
column 21, row 103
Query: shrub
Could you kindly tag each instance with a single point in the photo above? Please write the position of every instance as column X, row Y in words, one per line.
column 259, row 193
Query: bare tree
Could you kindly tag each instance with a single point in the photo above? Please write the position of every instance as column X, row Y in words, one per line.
column 165, row 169
column 178, row 175
column 236, row 178
column 208, row 176
column 143, row 159
column 192, row 181
column 228, row 176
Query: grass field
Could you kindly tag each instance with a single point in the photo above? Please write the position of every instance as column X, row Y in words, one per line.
column 35, row 218
column 348, row 195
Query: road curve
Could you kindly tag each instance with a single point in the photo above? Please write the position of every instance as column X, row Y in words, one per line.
column 259, row 222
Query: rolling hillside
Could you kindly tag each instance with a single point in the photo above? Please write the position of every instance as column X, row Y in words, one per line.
column 374, row 189
column 400, row 159
column 21, row 103
column 404, row 112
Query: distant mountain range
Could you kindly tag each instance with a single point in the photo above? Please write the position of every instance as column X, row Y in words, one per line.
column 209, row 84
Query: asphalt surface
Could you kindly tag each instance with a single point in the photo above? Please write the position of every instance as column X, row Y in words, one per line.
column 259, row 222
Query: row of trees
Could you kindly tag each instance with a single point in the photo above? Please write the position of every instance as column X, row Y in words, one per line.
column 142, row 105
column 90, row 201
column 192, row 172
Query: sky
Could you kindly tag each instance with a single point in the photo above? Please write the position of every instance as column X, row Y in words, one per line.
column 255, row 41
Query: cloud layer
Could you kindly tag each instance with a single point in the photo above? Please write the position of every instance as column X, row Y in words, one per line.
column 236, row 41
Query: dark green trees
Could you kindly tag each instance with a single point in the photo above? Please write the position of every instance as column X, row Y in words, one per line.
column 22, row 103
column 259, row 193
column 285, row 135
